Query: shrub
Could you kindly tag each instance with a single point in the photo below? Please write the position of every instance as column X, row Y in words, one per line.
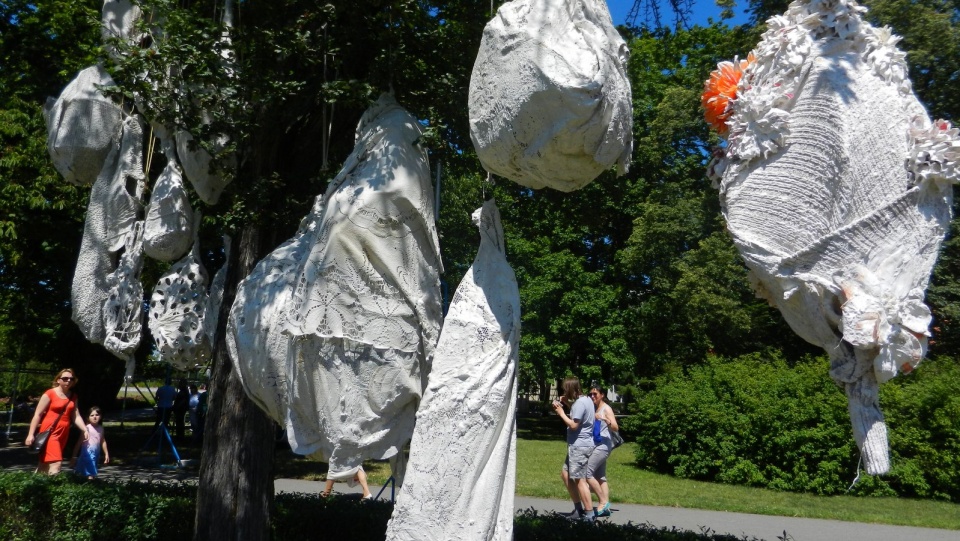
column 65, row 507
column 757, row 421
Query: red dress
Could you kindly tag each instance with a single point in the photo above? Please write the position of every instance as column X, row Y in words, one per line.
column 57, row 442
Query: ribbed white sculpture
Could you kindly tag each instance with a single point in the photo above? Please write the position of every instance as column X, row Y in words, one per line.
column 549, row 97
column 123, row 309
column 83, row 126
column 460, row 477
column 360, row 308
column 169, row 222
column 196, row 167
column 115, row 201
column 837, row 190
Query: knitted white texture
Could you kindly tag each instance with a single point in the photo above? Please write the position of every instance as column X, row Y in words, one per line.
column 83, row 126
column 549, row 97
column 115, row 201
column 169, row 228
column 123, row 309
column 460, row 478
column 837, row 190
column 361, row 316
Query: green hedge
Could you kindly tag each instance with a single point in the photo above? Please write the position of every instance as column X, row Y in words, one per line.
column 64, row 507
column 756, row 421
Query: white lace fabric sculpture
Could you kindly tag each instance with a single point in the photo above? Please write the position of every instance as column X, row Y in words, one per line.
column 178, row 312
column 83, row 126
column 169, row 221
column 837, row 190
column 123, row 309
column 461, row 474
column 549, row 100
column 115, row 201
column 348, row 311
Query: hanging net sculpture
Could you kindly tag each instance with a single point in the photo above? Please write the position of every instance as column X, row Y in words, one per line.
column 837, row 190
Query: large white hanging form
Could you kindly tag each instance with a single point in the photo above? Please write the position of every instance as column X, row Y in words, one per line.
column 115, row 201
column 83, row 126
column 460, row 477
column 362, row 315
column 837, row 189
column 123, row 309
column 549, row 97
column 178, row 315
column 169, row 221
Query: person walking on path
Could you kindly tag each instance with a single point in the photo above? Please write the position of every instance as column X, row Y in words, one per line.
column 86, row 454
column 57, row 406
column 597, row 465
column 360, row 477
column 166, row 395
column 579, row 445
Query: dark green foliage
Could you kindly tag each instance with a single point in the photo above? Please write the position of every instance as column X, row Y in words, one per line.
column 64, row 508
column 68, row 509
column 923, row 414
column 757, row 421
column 529, row 525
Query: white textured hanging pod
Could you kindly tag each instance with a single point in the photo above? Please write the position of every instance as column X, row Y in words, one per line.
column 466, row 428
column 358, row 318
column 169, row 222
column 837, row 190
column 115, row 201
column 123, row 309
column 178, row 310
column 550, row 101
column 83, row 126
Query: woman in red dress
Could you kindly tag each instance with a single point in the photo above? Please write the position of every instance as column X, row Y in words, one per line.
column 52, row 403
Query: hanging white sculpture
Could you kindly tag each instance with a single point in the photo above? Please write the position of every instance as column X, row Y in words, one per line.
column 169, row 232
column 177, row 314
column 83, row 126
column 549, row 100
column 119, row 20
column 115, row 201
column 461, row 473
column 837, row 190
column 123, row 309
column 357, row 293
column 196, row 166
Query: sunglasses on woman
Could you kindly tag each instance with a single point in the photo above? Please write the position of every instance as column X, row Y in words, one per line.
column 66, row 379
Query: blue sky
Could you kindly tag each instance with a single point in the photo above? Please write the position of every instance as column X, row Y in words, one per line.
column 702, row 10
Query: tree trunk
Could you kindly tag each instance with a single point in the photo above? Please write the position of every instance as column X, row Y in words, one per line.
column 235, row 495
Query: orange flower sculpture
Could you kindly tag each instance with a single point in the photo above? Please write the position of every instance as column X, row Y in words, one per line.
column 720, row 89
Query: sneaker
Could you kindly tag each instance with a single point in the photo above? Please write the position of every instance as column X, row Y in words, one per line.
column 572, row 514
column 605, row 512
column 367, row 498
column 588, row 517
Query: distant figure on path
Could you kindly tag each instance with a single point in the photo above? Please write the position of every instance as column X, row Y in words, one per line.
column 579, row 445
column 86, row 454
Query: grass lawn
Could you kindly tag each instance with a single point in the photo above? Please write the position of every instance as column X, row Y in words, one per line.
column 538, row 475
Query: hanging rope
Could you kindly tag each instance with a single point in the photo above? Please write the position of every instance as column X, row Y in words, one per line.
column 857, row 478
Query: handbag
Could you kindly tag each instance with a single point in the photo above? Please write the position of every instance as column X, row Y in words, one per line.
column 40, row 441
column 616, row 438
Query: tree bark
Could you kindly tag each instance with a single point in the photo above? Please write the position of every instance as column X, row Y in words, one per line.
column 235, row 494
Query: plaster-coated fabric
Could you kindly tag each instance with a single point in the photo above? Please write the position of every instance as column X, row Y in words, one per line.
column 123, row 309
column 83, row 126
column 115, row 202
column 332, row 333
column 837, row 198
column 118, row 21
column 461, row 474
column 549, row 99
column 196, row 167
column 178, row 312
column 169, row 222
